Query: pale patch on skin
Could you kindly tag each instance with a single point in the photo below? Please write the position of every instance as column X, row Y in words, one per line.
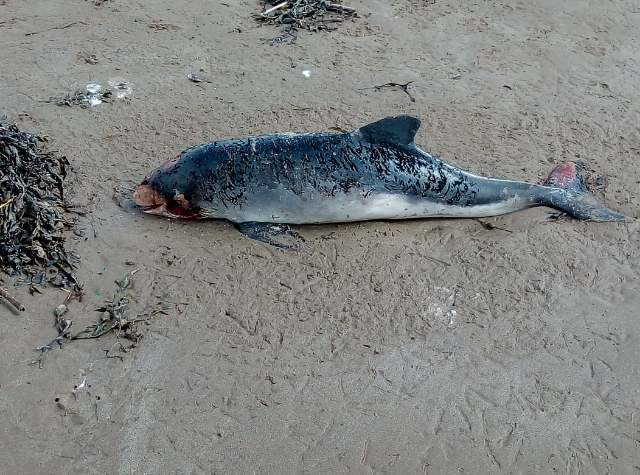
column 179, row 197
column 354, row 207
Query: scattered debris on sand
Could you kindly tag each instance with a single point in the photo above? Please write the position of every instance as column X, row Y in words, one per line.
column 193, row 77
column 404, row 87
column 312, row 15
column 116, row 318
column 92, row 95
column 113, row 317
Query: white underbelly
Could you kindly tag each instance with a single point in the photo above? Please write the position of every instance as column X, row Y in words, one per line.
column 355, row 207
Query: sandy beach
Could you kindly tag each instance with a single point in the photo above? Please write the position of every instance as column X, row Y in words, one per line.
column 401, row 347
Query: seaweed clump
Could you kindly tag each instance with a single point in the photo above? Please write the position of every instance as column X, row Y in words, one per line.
column 32, row 208
column 312, row 15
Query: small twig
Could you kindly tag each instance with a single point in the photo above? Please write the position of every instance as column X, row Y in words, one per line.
column 404, row 87
column 56, row 28
column 272, row 9
column 11, row 300
column 122, row 348
column 6, row 203
column 340, row 8
column 488, row 225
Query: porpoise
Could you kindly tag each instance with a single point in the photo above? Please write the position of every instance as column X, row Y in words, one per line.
column 262, row 184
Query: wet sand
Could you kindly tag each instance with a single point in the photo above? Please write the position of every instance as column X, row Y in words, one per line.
column 414, row 347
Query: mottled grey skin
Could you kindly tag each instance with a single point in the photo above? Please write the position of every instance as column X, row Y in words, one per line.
column 376, row 172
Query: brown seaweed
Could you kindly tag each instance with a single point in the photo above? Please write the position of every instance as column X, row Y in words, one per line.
column 32, row 209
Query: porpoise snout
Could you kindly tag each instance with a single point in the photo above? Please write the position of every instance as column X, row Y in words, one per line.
column 153, row 202
column 147, row 198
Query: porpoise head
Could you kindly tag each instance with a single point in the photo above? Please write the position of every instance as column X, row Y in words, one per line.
column 164, row 193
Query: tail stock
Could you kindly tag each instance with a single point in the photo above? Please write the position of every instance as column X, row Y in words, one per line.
column 576, row 199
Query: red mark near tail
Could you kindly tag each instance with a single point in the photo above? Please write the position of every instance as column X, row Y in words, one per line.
column 562, row 175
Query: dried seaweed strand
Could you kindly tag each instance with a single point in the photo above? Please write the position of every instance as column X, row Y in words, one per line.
column 113, row 314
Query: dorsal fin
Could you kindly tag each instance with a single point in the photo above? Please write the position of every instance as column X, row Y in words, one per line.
column 399, row 130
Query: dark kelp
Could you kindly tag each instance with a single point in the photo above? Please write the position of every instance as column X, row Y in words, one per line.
column 312, row 15
column 32, row 210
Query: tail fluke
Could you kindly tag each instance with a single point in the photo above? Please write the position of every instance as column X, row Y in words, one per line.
column 576, row 199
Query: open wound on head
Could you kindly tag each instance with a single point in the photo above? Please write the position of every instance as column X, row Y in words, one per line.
column 153, row 202
column 180, row 207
